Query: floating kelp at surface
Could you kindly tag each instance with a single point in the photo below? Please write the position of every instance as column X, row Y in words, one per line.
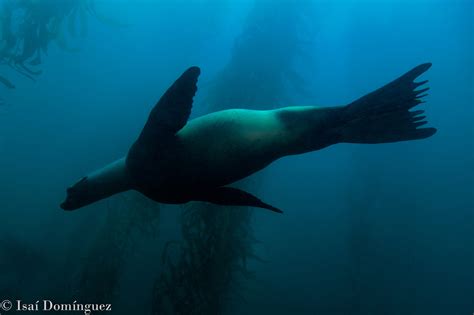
column 204, row 276
column 6, row 82
column 28, row 27
column 130, row 217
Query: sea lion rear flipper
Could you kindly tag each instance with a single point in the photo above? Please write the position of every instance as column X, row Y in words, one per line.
column 384, row 115
column 229, row 196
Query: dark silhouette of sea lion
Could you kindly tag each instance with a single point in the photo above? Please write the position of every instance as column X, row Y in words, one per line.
column 176, row 161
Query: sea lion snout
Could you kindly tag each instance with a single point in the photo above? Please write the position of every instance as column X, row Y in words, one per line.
column 75, row 197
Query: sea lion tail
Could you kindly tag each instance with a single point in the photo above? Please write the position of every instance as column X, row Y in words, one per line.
column 384, row 115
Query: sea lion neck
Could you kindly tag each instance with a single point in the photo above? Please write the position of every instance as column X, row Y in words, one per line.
column 105, row 182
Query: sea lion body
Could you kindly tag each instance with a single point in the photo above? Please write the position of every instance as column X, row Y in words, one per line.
column 226, row 146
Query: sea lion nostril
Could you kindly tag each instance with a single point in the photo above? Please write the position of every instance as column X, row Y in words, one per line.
column 66, row 206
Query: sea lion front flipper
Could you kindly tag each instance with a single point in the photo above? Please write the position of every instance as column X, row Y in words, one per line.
column 229, row 196
column 168, row 116
column 172, row 111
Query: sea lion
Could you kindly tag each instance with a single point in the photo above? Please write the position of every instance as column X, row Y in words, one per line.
column 176, row 161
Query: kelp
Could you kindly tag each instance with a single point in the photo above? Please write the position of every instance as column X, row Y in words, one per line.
column 216, row 246
column 267, row 57
column 16, row 257
column 363, row 201
column 129, row 218
column 205, row 274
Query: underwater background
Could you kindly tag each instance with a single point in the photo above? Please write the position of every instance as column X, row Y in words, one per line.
column 366, row 229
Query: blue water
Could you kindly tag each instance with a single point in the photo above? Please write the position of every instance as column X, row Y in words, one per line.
column 366, row 229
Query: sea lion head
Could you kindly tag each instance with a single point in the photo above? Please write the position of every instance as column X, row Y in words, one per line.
column 78, row 195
